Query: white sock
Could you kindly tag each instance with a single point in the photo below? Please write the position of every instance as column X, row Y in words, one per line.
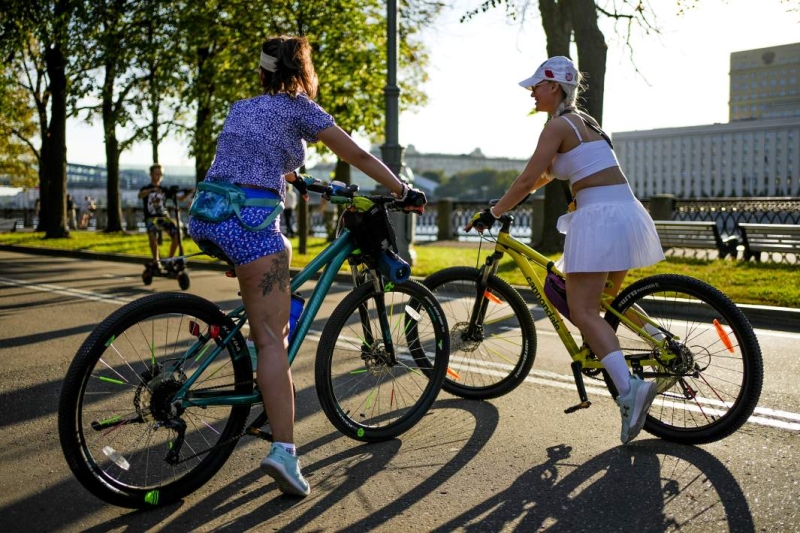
column 288, row 447
column 615, row 364
column 654, row 332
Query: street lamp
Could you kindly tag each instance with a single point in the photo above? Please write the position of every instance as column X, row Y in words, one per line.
column 391, row 151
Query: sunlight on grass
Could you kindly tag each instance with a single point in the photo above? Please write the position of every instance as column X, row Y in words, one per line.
column 749, row 283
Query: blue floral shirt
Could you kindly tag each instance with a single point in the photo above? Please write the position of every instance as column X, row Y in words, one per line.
column 264, row 138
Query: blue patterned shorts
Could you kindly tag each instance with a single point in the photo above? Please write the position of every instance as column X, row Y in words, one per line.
column 240, row 245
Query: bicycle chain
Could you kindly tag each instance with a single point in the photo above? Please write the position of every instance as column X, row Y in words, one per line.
column 219, row 444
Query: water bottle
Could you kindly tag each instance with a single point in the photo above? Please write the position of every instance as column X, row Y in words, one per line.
column 393, row 267
column 294, row 313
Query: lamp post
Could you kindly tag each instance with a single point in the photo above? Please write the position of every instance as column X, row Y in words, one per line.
column 391, row 151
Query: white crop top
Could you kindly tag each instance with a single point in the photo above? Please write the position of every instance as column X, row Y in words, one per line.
column 584, row 160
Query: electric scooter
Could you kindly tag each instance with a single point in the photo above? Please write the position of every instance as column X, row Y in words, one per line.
column 174, row 267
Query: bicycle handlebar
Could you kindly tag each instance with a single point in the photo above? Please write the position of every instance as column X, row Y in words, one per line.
column 336, row 189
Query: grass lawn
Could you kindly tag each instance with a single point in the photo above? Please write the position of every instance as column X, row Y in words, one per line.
column 749, row 283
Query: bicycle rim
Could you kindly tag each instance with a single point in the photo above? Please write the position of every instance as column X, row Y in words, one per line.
column 494, row 359
column 365, row 394
column 116, row 421
column 714, row 384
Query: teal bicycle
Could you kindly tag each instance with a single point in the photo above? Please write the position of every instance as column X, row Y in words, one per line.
column 160, row 392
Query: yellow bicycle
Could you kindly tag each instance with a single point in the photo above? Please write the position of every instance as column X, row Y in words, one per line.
column 677, row 330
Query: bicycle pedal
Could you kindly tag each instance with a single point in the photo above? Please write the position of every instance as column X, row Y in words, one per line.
column 256, row 432
column 582, row 405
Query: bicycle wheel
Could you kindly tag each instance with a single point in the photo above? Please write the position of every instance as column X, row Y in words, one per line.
column 122, row 437
column 495, row 357
column 711, row 388
column 365, row 392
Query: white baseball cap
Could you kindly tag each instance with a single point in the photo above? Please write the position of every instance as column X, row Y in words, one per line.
column 558, row 68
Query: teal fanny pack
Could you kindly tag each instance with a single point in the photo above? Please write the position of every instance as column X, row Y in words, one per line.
column 218, row 201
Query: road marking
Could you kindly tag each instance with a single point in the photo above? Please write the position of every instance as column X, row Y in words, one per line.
column 66, row 291
column 762, row 415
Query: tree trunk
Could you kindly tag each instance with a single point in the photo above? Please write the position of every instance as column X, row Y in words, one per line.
column 592, row 52
column 557, row 25
column 53, row 176
column 203, row 142
column 114, row 220
column 114, row 209
column 155, row 106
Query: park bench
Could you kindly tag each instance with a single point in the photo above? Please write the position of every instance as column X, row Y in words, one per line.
column 8, row 224
column 695, row 235
column 779, row 239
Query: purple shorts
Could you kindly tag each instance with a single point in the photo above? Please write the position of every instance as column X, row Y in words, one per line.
column 242, row 246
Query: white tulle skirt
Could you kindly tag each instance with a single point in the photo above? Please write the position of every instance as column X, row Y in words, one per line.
column 609, row 231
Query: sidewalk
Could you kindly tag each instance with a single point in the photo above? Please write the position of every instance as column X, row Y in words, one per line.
column 760, row 316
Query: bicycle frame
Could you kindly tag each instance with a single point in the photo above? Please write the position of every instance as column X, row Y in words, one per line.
column 527, row 259
column 331, row 260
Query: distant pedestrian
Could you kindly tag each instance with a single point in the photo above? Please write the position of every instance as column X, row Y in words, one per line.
column 87, row 211
column 71, row 218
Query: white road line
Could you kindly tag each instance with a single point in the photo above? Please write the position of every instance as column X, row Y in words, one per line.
column 762, row 415
column 66, row 291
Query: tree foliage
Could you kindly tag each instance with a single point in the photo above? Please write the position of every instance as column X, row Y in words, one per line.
column 41, row 44
column 477, row 184
column 150, row 68
column 18, row 154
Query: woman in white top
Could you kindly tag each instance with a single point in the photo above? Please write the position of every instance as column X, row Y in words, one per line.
column 609, row 232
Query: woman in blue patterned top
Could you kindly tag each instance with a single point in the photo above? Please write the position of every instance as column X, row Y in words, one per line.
column 261, row 144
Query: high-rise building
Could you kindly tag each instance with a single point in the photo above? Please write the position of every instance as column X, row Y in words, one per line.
column 765, row 83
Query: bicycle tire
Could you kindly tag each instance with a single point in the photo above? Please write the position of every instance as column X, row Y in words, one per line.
column 116, row 395
column 476, row 362
column 362, row 395
column 716, row 382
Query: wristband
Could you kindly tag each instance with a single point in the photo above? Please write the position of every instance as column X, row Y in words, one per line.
column 492, row 213
column 403, row 192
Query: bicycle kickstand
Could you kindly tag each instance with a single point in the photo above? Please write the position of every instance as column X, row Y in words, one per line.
column 585, row 403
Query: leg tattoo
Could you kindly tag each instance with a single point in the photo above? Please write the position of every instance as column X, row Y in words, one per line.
column 277, row 276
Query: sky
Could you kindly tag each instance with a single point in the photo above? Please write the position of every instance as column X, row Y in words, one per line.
column 475, row 100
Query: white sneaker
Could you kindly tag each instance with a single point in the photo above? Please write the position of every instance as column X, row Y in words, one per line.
column 284, row 468
column 634, row 406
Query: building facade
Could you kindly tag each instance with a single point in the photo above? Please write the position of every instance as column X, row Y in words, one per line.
column 765, row 83
column 745, row 158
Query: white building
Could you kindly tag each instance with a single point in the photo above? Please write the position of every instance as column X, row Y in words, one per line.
column 756, row 154
column 746, row 158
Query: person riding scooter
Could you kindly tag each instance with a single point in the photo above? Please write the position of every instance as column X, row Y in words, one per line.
column 156, row 216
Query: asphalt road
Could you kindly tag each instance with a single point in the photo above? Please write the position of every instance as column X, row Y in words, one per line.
column 514, row 463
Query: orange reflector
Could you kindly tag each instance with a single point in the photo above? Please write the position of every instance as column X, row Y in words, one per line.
column 492, row 297
column 213, row 331
column 453, row 373
column 230, row 273
column 723, row 336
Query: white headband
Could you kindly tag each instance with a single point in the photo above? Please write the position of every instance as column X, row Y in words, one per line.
column 268, row 62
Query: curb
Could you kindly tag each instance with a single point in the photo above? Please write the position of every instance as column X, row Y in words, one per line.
column 760, row 316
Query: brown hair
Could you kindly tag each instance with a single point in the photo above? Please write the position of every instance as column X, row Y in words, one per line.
column 295, row 71
column 153, row 167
